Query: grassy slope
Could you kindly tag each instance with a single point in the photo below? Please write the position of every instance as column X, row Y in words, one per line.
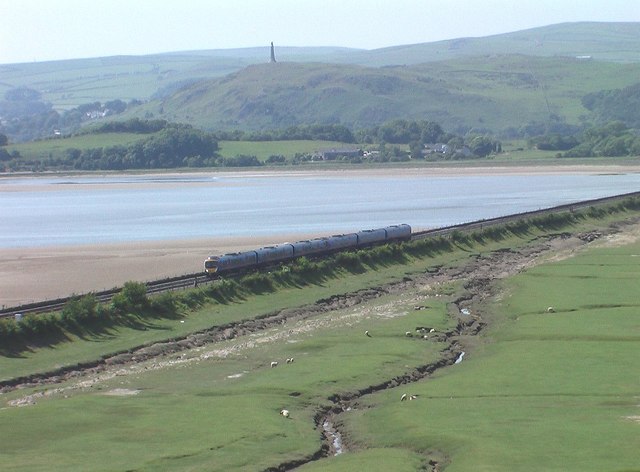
column 524, row 397
column 192, row 415
column 486, row 92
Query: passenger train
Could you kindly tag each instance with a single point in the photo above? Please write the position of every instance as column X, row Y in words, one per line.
column 311, row 247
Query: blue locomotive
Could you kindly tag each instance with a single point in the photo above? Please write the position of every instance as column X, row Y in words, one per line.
column 309, row 247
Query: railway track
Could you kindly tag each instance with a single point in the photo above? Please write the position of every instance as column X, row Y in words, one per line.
column 194, row 280
column 157, row 286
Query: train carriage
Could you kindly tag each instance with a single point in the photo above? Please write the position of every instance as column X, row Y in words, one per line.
column 286, row 251
column 310, row 247
column 342, row 241
column 402, row 231
column 276, row 253
column 371, row 236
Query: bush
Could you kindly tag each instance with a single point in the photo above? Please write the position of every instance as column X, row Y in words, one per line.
column 349, row 260
column 257, row 282
column 80, row 310
column 165, row 303
column 131, row 300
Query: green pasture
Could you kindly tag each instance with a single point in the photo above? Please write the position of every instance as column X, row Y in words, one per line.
column 263, row 149
column 56, row 148
column 553, row 391
column 535, row 391
column 204, row 413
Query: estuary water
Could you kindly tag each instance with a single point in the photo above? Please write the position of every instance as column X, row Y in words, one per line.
column 44, row 211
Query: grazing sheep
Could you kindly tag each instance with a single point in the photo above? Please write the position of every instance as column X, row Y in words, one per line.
column 432, row 330
column 274, row 364
column 408, row 334
column 367, row 334
column 289, row 360
column 285, row 413
column 550, row 309
column 403, row 397
column 413, row 397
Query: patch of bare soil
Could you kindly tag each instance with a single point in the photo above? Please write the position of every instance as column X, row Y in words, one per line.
column 479, row 275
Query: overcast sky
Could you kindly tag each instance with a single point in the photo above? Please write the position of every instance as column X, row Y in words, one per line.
column 41, row 30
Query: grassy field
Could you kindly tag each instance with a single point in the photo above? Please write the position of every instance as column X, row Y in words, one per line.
column 213, row 412
column 537, row 391
column 56, row 148
column 263, row 149
column 545, row 391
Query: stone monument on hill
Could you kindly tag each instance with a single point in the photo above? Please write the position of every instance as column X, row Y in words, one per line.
column 273, row 54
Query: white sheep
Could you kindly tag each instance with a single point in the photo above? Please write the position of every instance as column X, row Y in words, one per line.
column 413, row 397
column 550, row 309
column 408, row 334
column 432, row 330
column 367, row 333
column 274, row 364
column 285, row 413
column 403, row 397
column 289, row 360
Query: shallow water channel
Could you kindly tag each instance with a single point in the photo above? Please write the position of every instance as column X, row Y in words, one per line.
column 112, row 209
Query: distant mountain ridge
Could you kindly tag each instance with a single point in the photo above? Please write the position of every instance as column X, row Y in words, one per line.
column 615, row 42
column 488, row 83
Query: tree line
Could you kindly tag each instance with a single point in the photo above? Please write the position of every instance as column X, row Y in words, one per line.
column 171, row 147
column 614, row 139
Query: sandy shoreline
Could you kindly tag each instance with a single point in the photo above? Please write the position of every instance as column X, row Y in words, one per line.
column 7, row 181
column 36, row 274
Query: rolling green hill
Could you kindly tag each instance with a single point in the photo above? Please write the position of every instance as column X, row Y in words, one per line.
column 483, row 93
column 67, row 84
